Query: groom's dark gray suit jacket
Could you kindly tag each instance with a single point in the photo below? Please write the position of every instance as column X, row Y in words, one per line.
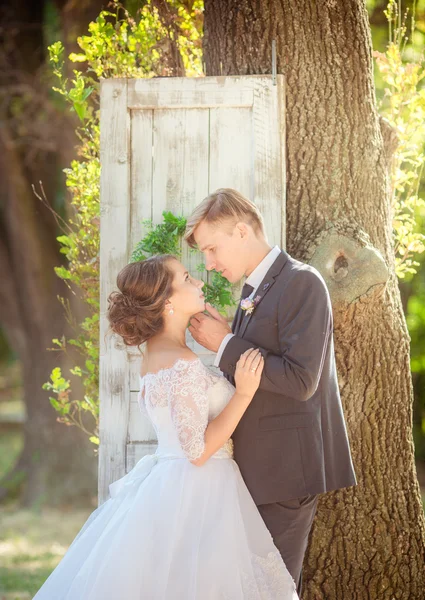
column 292, row 440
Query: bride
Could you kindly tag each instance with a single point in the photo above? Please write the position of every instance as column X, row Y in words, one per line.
column 181, row 525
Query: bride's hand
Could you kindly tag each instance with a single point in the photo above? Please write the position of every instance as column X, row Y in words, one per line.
column 248, row 372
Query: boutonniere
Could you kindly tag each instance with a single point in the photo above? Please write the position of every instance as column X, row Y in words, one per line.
column 249, row 305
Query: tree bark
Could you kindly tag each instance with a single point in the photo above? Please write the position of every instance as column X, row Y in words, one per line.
column 367, row 542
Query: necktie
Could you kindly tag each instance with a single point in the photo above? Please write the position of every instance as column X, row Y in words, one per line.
column 246, row 291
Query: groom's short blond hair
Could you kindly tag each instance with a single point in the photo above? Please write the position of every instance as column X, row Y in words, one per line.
column 225, row 204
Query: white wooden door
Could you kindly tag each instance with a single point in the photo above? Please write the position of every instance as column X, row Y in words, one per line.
column 166, row 143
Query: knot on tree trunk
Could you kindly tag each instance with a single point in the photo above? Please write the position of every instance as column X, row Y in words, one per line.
column 349, row 268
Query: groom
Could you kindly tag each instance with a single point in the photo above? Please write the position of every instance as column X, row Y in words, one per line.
column 291, row 444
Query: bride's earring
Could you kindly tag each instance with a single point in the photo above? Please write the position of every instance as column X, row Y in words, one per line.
column 171, row 311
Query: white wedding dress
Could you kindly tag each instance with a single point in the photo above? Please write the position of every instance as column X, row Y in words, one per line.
column 172, row 530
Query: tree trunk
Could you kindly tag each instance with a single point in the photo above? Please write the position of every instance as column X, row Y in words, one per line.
column 367, row 541
column 57, row 463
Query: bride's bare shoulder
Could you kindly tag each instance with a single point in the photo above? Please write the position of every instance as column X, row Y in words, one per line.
column 159, row 360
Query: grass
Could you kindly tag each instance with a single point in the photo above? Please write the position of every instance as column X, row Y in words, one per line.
column 32, row 542
column 31, row 546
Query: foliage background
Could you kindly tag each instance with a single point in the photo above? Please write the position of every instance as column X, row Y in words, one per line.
column 406, row 110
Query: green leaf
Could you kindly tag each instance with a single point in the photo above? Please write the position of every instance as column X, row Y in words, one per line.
column 77, row 57
column 80, row 109
column 54, row 403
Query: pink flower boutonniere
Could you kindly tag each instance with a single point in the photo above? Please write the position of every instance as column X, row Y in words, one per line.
column 249, row 305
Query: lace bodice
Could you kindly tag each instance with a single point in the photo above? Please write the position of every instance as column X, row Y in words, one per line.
column 180, row 401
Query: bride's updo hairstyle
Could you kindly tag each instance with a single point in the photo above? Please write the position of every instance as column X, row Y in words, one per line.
column 136, row 312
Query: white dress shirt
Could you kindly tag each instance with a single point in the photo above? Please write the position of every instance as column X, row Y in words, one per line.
column 254, row 279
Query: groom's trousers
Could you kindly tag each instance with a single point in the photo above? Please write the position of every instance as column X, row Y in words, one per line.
column 289, row 523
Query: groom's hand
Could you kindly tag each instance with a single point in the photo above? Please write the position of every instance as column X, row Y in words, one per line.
column 209, row 330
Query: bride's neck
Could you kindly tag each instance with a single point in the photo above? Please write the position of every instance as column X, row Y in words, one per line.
column 167, row 339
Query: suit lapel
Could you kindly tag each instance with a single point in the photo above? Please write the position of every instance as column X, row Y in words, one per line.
column 265, row 286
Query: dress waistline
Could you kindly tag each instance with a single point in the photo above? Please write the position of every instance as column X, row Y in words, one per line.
column 145, row 465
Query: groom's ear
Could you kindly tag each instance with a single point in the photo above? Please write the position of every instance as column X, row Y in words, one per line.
column 242, row 229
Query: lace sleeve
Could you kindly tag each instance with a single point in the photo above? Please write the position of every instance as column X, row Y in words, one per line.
column 189, row 405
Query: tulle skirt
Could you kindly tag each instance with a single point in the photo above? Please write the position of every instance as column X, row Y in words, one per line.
column 173, row 531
